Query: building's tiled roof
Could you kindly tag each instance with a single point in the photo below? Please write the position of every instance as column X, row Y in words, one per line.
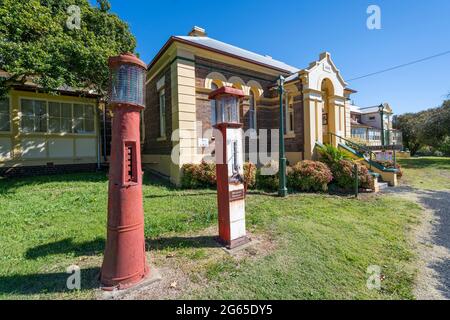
column 230, row 49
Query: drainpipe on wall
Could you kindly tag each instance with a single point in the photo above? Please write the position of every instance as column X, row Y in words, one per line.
column 98, row 136
column 104, row 133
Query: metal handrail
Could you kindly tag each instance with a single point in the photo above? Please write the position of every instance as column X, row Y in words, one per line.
column 363, row 148
column 358, row 147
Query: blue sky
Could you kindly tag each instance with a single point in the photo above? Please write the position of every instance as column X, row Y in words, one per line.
column 297, row 31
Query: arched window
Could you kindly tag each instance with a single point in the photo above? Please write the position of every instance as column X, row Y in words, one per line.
column 252, row 111
column 213, row 106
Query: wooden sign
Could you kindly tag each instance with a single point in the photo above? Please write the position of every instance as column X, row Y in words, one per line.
column 237, row 195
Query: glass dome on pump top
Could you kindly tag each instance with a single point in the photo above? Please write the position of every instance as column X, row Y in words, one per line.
column 227, row 104
column 127, row 80
column 227, row 111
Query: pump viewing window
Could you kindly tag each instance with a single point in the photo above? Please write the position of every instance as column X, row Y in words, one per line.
column 130, row 166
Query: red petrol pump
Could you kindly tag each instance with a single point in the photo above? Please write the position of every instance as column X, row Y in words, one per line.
column 229, row 167
column 125, row 263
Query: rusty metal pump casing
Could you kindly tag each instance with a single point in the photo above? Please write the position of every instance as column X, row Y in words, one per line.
column 125, row 262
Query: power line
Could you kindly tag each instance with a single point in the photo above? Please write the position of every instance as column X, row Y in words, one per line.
column 402, row 65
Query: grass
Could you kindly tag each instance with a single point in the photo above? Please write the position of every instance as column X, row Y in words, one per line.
column 429, row 173
column 324, row 244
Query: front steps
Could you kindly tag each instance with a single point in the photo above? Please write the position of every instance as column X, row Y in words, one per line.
column 383, row 185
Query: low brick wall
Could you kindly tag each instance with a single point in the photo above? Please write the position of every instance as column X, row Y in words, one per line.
column 15, row 172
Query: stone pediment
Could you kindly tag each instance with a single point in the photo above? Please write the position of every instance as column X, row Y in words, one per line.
column 322, row 69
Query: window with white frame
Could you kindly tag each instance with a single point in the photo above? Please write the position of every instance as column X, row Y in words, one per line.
column 59, row 117
column 289, row 115
column 162, row 113
column 34, row 116
column 213, row 106
column 83, row 117
column 5, row 117
column 40, row 116
column 252, row 111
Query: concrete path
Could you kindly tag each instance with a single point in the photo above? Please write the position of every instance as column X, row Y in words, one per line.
column 432, row 239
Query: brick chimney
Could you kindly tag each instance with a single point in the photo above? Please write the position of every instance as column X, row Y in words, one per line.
column 197, row 32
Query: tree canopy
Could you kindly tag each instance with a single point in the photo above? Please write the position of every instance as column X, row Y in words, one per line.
column 426, row 128
column 37, row 43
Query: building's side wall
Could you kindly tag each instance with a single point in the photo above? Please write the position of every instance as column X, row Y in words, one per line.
column 372, row 119
column 156, row 150
column 267, row 104
column 43, row 152
column 295, row 142
column 180, row 137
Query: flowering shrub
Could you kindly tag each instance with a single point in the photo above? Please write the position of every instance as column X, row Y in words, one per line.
column 249, row 175
column 343, row 173
column 309, row 176
column 196, row 176
column 203, row 175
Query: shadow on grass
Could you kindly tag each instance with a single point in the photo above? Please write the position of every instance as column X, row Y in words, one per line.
column 182, row 242
column 67, row 246
column 47, row 283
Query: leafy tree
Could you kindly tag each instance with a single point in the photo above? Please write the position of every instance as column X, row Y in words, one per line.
column 436, row 128
column 36, row 43
column 410, row 124
column 426, row 128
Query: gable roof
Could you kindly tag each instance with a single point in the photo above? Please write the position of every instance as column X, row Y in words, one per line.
column 227, row 49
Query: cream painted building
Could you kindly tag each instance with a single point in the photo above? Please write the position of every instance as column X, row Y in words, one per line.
column 188, row 68
column 42, row 133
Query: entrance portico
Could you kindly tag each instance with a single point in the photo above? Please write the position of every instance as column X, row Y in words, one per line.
column 324, row 104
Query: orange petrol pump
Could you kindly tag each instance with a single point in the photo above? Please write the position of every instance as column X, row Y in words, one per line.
column 229, row 167
column 124, row 263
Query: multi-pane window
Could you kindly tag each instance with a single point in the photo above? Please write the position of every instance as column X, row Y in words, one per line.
column 162, row 113
column 56, row 117
column 59, row 117
column 5, row 119
column 252, row 111
column 34, row 115
column 83, row 116
column 213, row 106
column 289, row 115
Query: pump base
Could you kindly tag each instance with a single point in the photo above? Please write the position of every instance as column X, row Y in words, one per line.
column 134, row 281
column 153, row 277
column 233, row 244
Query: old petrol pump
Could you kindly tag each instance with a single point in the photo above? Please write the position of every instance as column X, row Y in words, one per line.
column 229, row 167
column 124, row 263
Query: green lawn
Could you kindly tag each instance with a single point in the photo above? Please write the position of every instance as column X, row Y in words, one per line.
column 322, row 245
column 430, row 173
